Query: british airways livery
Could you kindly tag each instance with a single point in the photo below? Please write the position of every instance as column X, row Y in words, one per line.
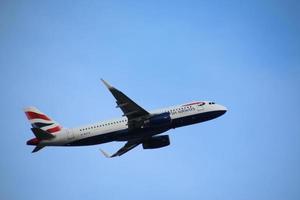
column 136, row 126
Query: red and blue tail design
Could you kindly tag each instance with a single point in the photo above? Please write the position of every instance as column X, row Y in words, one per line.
column 41, row 121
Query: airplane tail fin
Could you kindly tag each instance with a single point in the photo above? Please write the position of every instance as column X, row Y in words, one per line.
column 41, row 121
column 43, row 127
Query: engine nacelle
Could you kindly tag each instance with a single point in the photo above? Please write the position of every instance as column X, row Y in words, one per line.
column 157, row 142
column 159, row 120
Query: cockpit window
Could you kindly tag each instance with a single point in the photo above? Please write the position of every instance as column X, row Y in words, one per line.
column 211, row 103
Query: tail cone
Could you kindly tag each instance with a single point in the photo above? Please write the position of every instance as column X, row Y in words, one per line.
column 33, row 141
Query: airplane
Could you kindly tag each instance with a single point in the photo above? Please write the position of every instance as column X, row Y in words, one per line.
column 136, row 126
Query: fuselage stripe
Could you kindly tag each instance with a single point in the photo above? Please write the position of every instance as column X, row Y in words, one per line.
column 194, row 103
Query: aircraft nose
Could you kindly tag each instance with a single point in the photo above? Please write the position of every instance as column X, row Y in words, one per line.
column 222, row 109
column 223, row 112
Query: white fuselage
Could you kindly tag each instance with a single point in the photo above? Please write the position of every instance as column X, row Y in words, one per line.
column 184, row 114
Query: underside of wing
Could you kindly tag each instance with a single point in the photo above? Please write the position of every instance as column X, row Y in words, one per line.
column 148, row 143
column 127, row 147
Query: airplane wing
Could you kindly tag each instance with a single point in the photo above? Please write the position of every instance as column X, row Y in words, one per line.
column 127, row 147
column 130, row 109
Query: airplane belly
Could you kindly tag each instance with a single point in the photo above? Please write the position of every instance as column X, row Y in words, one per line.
column 141, row 133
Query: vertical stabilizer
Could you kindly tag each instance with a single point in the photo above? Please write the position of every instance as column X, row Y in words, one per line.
column 41, row 121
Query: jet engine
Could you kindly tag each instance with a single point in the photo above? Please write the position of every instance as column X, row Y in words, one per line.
column 156, row 142
column 159, row 120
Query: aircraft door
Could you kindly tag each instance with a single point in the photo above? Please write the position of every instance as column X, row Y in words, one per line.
column 70, row 134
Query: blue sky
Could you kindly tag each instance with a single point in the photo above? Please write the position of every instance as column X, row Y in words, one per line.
column 242, row 54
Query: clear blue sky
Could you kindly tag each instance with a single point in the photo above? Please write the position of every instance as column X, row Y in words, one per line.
column 242, row 54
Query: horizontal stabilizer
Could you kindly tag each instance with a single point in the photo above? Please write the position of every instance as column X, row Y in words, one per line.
column 37, row 148
column 41, row 134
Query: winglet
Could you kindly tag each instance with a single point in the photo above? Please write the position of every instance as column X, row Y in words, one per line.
column 106, row 84
column 105, row 154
